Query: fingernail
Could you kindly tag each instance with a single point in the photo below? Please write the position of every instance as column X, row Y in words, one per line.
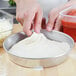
column 37, row 30
column 49, row 28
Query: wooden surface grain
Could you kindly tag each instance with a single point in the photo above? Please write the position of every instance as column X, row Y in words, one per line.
column 8, row 68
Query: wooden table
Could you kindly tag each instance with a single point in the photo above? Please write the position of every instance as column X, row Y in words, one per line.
column 7, row 68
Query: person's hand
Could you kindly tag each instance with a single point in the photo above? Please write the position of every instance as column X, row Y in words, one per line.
column 54, row 20
column 29, row 13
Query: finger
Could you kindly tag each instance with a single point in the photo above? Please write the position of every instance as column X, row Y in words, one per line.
column 17, row 18
column 27, row 24
column 51, row 22
column 58, row 24
column 49, row 26
column 21, row 22
column 26, row 27
column 20, row 19
column 38, row 21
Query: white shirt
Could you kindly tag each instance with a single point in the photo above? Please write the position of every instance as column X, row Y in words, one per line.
column 47, row 5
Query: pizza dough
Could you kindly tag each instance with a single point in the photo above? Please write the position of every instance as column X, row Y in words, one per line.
column 38, row 46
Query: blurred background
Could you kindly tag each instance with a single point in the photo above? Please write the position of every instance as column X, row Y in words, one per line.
column 8, row 6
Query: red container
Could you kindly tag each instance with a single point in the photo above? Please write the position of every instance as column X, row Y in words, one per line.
column 68, row 20
column 70, row 30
